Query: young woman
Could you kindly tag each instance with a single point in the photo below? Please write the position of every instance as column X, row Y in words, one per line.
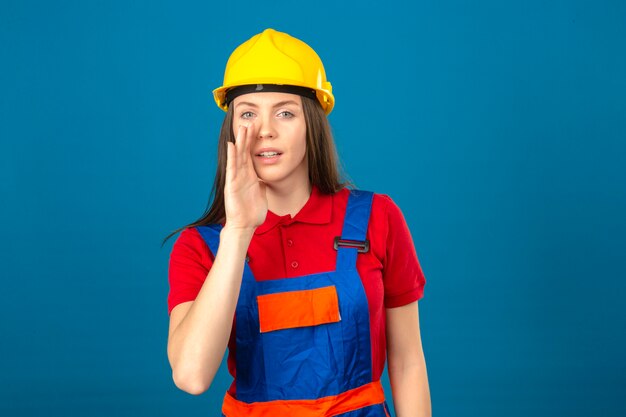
column 309, row 283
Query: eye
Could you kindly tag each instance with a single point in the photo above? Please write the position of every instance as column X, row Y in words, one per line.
column 286, row 114
column 247, row 115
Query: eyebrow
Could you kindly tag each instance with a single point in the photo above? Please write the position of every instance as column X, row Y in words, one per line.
column 279, row 104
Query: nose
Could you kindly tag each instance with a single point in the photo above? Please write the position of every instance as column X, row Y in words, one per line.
column 266, row 129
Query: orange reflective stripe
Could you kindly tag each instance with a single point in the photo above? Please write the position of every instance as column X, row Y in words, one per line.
column 291, row 309
column 363, row 396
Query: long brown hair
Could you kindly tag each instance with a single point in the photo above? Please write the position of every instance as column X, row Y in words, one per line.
column 325, row 171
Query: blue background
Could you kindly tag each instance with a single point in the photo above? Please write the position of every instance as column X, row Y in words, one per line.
column 498, row 127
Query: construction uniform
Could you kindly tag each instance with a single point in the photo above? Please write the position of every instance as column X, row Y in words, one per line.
column 302, row 345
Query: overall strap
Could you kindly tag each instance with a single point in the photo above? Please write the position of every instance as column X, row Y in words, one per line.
column 354, row 231
column 211, row 235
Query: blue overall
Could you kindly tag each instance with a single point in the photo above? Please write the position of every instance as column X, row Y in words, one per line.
column 314, row 361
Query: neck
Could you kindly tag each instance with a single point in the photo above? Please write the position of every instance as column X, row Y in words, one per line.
column 283, row 200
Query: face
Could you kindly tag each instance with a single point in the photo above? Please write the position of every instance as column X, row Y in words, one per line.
column 278, row 132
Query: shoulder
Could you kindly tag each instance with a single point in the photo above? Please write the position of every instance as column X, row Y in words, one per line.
column 188, row 237
column 388, row 207
column 189, row 264
column 383, row 207
column 386, row 219
column 190, row 244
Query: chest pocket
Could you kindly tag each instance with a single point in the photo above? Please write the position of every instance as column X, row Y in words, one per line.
column 292, row 309
column 303, row 346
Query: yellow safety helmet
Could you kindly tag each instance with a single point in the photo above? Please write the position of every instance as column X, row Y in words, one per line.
column 275, row 61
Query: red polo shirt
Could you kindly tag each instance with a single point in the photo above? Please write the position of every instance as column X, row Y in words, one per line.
column 286, row 247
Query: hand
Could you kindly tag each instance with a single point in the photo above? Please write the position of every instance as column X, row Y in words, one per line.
column 245, row 201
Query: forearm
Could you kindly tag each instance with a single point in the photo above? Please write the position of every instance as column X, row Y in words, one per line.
column 410, row 390
column 198, row 343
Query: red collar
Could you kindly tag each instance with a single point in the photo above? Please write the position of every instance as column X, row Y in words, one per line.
column 317, row 210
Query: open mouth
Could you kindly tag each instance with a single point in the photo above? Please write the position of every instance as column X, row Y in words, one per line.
column 269, row 154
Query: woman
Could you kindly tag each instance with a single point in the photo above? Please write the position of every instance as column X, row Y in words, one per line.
column 322, row 281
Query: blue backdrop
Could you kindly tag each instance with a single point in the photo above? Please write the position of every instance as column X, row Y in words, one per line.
column 498, row 127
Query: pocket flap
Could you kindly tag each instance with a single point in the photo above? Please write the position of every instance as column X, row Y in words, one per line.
column 286, row 310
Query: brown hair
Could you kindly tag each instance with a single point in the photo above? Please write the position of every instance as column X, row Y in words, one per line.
column 324, row 166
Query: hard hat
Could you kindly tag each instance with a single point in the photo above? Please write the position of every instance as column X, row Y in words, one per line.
column 275, row 61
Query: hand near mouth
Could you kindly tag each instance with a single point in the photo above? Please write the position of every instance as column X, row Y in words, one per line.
column 245, row 200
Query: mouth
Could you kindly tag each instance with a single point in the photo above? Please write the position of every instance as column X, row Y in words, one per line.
column 269, row 154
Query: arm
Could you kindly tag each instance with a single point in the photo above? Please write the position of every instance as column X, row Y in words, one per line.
column 406, row 363
column 199, row 330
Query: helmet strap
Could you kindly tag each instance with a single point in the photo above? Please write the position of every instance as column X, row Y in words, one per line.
column 268, row 88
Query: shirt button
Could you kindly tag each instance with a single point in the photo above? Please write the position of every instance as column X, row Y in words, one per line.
column 294, row 264
column 289, row 242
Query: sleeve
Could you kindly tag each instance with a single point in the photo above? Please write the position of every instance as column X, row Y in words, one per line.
column 190, row 262
column 403, row 278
